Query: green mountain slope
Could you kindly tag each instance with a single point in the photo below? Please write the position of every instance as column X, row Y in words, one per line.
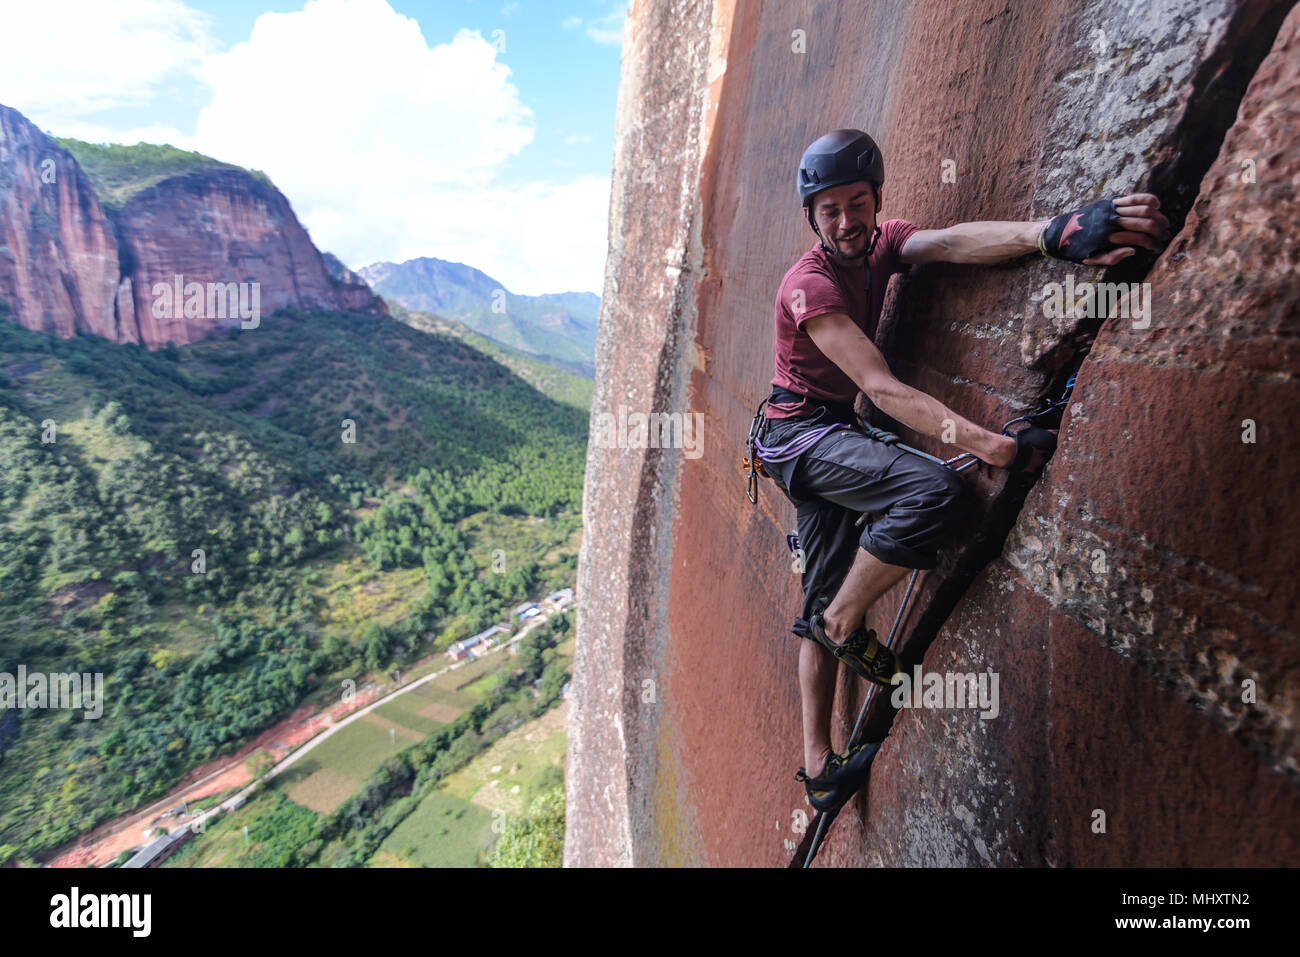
column 227, row 530
column 549, row 379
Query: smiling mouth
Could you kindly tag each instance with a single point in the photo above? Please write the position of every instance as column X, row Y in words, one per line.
column 850, row 237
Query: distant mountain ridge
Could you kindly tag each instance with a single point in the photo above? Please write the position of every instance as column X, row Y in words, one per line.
column 559, row 326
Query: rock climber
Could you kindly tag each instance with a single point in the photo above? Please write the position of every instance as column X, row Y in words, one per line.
column 811, row 444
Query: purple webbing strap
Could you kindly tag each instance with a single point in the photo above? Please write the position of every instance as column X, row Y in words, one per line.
column 796, row 447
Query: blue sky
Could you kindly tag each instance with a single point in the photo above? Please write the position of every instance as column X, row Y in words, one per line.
column 465, row 129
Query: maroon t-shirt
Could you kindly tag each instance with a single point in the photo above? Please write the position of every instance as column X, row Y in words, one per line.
column 818, row 285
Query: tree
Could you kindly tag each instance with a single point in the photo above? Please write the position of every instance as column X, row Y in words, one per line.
column 535, row 840
column 375, row 646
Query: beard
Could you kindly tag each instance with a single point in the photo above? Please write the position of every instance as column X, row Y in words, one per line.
column 868, row 241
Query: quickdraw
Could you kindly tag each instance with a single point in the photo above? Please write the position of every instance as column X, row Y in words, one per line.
column 1049, row 417
column 967, row 459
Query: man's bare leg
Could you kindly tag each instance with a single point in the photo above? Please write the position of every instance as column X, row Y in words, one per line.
column 867, row 580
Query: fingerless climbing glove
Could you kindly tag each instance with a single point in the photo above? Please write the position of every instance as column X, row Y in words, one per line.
column 1081, row 233
column 1029, row 441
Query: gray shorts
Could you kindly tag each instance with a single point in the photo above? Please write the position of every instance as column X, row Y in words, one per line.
column 915, row 505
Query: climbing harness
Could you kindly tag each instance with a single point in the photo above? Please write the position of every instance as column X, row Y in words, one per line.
column 776, row 454
column 1048, row 417
column 792, row 450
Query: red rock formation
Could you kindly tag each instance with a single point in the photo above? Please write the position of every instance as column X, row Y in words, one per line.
column 63, row 270
column 1121, row 690
column 58, row 258
column 221, row 226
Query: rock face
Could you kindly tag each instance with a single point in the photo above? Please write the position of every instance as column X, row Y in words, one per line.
column 1137, row 602
column 65, row 267
column 222, row 226
column 58, row 259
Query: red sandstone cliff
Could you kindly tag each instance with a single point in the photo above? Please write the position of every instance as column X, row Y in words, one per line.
column 65, row 267
column 1138, row 602
column 58, row 258
column 221, row 226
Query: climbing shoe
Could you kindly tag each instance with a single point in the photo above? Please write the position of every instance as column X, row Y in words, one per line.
column 840, row 779
column 864, row 655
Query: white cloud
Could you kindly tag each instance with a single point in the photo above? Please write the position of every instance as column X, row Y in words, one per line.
column 349, row 89
column 608, row 29
column 387, row 147
column 61, row 59
column 542, row 237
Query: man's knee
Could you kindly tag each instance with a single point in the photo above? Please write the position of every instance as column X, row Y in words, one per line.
column 931, row 511
column 953, row 494
column 937, row 491
column 951, row 505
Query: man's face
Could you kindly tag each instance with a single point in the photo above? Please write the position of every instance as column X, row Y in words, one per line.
column 846, row 217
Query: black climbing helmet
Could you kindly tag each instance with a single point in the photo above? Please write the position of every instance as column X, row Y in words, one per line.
column 839, row 157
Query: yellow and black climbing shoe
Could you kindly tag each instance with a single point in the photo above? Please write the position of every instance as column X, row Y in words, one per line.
column 840, row 779
column 869, row 658
column 864, row 655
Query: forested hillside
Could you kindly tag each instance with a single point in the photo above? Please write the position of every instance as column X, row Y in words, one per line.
column 228, row 529
column 544, row 375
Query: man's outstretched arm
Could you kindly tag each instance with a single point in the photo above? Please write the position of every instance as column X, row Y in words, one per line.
column 1137, row 222
column 848, row 347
